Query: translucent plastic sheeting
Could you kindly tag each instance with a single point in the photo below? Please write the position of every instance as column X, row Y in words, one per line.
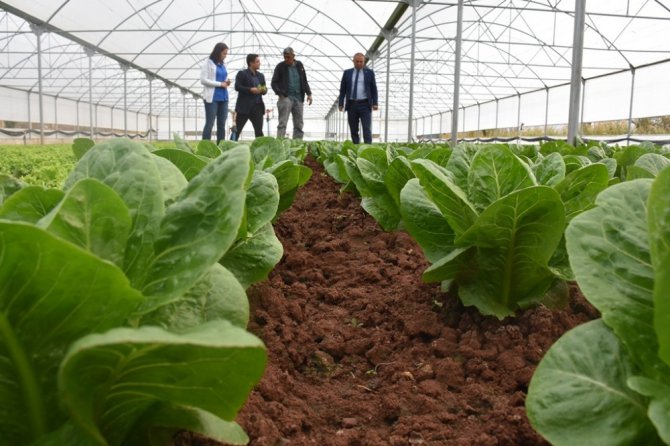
column 509, row 48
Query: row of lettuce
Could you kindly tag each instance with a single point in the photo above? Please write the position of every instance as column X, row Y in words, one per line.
column 123, row 309
column 506, row 227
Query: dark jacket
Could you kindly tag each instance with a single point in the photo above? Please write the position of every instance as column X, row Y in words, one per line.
column 244, row 82
column 346, row 85
column 280, row 80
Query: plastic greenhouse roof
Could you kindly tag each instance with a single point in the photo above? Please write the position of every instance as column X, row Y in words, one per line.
column 508, row 47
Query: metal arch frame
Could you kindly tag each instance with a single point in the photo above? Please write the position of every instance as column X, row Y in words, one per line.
column 553, row 9
column 541, row 44
column 51, row 28
column 500, row 76
column 71, row 43
column 230, row 13
column 244, row 15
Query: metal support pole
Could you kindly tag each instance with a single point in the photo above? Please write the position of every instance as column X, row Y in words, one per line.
column 195, row 107
column 30, row 117
column 372, row 57
column 440, row 126
column 414, row 4
column 457, row 74
column 389, row 35
column 546, row 112
column 575, row 84
column 581, row 113
column 479, row 116
column 518, row 116
column 497, row 104
column 169, row 89
column 183, row 117
column 124, row 68
column 39, row 30
column 56, row 115
column 150, row 78
column 432, row 132
column 463, row 128
column 90, row 52
column 630, row 106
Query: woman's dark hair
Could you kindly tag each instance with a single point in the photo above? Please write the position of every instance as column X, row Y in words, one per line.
column 216, row 52
column 251, row 58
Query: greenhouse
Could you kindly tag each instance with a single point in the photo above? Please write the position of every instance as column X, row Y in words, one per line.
column 522, row 69
column 415, row 222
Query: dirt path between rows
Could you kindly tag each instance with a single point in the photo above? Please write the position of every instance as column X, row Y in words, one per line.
column 361, row 352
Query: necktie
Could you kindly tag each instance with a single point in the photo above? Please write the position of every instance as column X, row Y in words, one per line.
column 353, row 96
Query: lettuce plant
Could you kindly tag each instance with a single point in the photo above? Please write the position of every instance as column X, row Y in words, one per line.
column 492, row 225
column 607, row 382
column 275, row 176
column 117, row 324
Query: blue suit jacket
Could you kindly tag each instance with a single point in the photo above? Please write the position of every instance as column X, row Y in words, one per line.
column 347, row 83
column 245, row 99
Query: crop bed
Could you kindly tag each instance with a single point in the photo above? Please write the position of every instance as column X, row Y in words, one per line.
column 361, row 352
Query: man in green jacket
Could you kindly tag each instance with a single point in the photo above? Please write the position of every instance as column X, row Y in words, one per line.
column 289, row 82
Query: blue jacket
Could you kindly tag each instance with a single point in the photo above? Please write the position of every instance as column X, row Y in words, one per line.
column 346, row 85
column 244, row 81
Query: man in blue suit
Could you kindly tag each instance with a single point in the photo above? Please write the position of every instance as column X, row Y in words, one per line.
column 358, row 96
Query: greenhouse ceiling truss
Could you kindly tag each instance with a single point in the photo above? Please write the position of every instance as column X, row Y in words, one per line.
column 431, row 57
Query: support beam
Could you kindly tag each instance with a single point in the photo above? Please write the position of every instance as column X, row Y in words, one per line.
column 150, row 78
column 169, row 89
column 124, row 68
column 414, row 4
column 457, row 74
column 546, row 112
column 630, row 106
column 39, row 30
column 90, row 52
column 184, row 92
column 576, row 75
column 389, row 35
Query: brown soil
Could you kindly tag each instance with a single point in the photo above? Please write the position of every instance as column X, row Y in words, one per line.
column 361, row 352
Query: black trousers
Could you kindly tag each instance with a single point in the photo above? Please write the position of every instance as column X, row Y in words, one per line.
column 256, row 118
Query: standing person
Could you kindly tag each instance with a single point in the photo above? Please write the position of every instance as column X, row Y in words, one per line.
column 214, row 78
column 359, row 88
column 250, row 84
column 233, row 128
column 289, row 82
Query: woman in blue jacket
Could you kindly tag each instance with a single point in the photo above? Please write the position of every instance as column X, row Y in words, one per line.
column 214, row 78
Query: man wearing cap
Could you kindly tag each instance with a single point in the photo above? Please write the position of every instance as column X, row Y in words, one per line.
column 289, row 82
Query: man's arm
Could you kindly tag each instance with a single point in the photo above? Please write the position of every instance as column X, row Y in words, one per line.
column 239, row 81
column 343, row 91
column 373, row 90
column 276, row 80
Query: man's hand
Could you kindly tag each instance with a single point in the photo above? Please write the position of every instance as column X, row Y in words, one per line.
column 309, row 99
column 375, row 107
column 340, row 108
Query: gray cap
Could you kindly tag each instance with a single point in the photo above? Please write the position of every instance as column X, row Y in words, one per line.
column 289, row 50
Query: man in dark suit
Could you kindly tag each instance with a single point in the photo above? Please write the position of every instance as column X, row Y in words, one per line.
column 250, row 86
column 358, row 96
